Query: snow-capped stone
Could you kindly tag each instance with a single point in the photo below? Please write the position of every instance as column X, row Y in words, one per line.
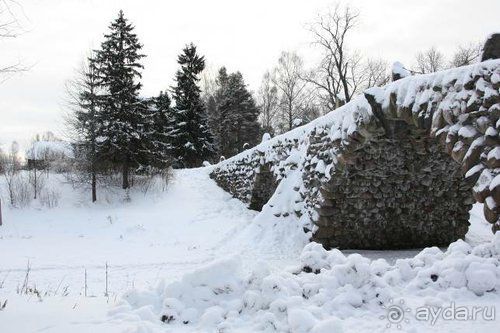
column 266, row 137
column 399, row 71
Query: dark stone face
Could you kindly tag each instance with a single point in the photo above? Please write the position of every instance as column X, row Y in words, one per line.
column 401, row 192
column 264, row 186
column 491, row 49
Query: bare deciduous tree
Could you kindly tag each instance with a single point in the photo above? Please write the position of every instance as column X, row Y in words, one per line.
column 9, row 28
column 33, row 176
column 208, row 82
column 10, row 166
column 81, row 121
column 430, row 61
column 466, row 55
column 268, row 102
column 376, row 73
column 288, row 78
column 338, row 75
column 324, row 77
column 9, row 25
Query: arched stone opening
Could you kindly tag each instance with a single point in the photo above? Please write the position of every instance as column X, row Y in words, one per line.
column 400, row 190
column 263, row 188
column 443, row 127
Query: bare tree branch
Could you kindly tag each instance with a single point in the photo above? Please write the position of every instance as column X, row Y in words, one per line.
column 268, row 102
column 338, row 75
column 430, row 61
column 287, row 77
column 376, row 73
column 466, row 54
column 9, row 24
column 9, row 28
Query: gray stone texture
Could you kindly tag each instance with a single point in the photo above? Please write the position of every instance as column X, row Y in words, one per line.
column 404, row 178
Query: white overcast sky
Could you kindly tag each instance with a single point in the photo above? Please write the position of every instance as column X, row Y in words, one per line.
column 242, row 35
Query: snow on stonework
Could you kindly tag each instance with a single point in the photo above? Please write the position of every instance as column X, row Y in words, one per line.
column 456, row 110
column 327, row 288
column 399, row 71
column 265, row 137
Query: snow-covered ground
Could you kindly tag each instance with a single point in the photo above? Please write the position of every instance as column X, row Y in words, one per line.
column 198, row 257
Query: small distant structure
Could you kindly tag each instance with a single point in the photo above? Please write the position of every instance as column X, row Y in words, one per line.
column 43, row 155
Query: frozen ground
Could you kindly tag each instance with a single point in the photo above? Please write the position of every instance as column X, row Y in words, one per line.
column 199, row 236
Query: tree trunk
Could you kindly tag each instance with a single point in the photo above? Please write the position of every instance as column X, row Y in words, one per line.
column 94, row 187
column 125, row 183
column 11, row 192
column 93, row 169
column 35, row 184
column 346, row 90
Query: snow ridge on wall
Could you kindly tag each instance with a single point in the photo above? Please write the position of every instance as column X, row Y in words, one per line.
column 459, row 107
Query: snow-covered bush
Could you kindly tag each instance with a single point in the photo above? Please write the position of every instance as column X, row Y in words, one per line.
column 50, row 198
column 155, row 182
column 37, row 180
column 22, row 192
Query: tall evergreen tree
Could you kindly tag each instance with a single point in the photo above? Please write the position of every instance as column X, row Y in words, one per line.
column 215, row 118
column 158, row 136
column 239, row 127
column 122, row 114
column 213, row 121
column 192, row 141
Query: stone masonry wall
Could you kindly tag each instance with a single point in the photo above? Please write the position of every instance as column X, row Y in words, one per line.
column 405, row 185
column 395, row 162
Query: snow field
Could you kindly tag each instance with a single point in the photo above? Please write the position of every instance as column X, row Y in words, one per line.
column 197, row 259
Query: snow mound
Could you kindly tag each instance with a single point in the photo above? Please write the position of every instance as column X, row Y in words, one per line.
column 316, row 295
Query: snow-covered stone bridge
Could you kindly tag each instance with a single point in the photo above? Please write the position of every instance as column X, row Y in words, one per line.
column 397, row 167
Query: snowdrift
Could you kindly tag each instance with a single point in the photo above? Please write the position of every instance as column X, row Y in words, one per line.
column 319, row 294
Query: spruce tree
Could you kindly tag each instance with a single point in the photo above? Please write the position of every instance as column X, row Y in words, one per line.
column 191, row 139
column 213, row 121
column 158, row 136
column 218, row 113
column 122, row 114
column 239, row 127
